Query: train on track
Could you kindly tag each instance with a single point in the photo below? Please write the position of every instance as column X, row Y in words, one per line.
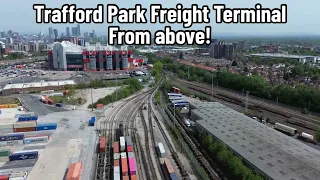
column 285, row 129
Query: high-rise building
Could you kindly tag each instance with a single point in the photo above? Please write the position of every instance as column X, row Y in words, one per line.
column 55, row 32
column 78, row 30
column 74, row 31
column 50, row 31
column 3, row 34
column 68, row 31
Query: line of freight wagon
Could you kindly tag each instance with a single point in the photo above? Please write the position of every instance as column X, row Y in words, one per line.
column 165, row 163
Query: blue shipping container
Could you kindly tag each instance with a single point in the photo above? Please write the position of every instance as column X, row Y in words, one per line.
column 46, row 126
column 27, row 118
column 12, row 137
column 92, row 121
column 173, row 176
column 23, row 156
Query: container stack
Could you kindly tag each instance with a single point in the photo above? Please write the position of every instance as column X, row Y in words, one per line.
column 24, row 126
column 4, row 106
column 74, row 172
column 4, row 155
column 11, row 139
column 116, row 161
column 168, row 169
column 23, row 155
column 102, row 144
column 22, row 175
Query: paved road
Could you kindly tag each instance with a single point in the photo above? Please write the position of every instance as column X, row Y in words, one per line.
column 33, row 104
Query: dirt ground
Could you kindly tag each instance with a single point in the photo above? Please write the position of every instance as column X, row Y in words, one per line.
column 8, row 100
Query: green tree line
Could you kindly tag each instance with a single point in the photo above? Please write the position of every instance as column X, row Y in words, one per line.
column 301, row 96
column 231, row 164
column 133, row 86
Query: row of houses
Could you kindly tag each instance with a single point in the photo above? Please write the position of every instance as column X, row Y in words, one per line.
column 36, row 86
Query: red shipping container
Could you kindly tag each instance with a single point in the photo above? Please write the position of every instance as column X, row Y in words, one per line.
column 4, row 177
column 124, row 166
column 129, row 149
column 116, row 163
column 27, row 129
column 133, row 177
column 102, row 147
column 116, row 147
column 125, row 177
column 74, row 171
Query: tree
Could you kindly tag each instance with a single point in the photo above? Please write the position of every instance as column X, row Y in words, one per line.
column 318, row 134
column 286, row 76
column 234, row 63
column 297, row 71
column 315, row 77
column 207, row 63
column 246, row 69
column 181, row 55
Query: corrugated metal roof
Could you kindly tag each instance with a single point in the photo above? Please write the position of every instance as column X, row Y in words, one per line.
column 38, row 84
column 274, row 153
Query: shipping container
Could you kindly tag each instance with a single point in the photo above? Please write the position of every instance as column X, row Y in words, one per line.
column 133, row 177
column 122, row 144
column 129, row 149
column 5, row 152
column 128, row 141
column 11, row 137
column 102, row 147
column 116, row 176
column 123, row 155
column 38, row 133
column 116, row 156
column 11, row 143
column 116, row 147
column 124, row 167
column 130, row 154
column 6, row 126
column 23, row 156
column 18, row 178
column 160, row 150
column 26, row 151
column 4, row 177
column 25, row 114
column 24, row 129
column 46, row 126
column 25, row 124
column 168, row 166
column 173, row 176
column 132, row 166
column 27, row 118
column 34, row 140
column 125, row 177
column 5, row 131
column 116, row 163
column 116, row 169
column 92, row 121
column 74, row 171
column 23, row 174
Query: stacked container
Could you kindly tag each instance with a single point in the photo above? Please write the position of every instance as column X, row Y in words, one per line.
column 116, row 170
column 116, row 154
column 4, row 155
column 133, row 177
column 11, row 139
column 160, row 150
column 74, row 172
column 46, row 126
column 122, row 144
column 102, row 142
column 27, row 118
column 169, row 169
column 23, row 155
column 22, row 175
column 4, row 177
column 124, row 165
column 25, row 126
column 6, row 128
column 129, row 144
column 35, row 140
column 132, row 166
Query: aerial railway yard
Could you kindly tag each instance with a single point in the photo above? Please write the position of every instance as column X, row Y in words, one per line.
column 135, row 117
column 276, row 113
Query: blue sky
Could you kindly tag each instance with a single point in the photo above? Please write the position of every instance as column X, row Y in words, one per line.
column 303, row 16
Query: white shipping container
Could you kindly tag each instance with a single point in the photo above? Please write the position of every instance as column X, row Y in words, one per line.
column 116, row 169
column 38, row 133
column 6, row 126
column 123, row 155
column 18, row 178
column 34, row 140
column 26, row 151
column 11, row 143
column 122, row 143
column 7, row 130
column 307, row 136
column 116, row 176
column 19, row 174
column 4, row 159
column 161, row 149
column 25, row 124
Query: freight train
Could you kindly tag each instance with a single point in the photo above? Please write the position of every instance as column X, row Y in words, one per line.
column 307, row 137
column 285, row 129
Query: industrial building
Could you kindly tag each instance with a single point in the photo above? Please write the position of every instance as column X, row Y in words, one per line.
column 37, row 86
column 270, row 152
column 68, row 56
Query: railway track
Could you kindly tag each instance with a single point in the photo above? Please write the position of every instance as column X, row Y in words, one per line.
column 284, row 111
column 175, row 156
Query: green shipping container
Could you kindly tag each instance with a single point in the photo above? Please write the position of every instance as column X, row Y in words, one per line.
column 4, row 152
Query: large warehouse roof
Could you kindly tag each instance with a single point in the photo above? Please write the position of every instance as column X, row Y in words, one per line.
column 274, row 153
column 38, row 84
